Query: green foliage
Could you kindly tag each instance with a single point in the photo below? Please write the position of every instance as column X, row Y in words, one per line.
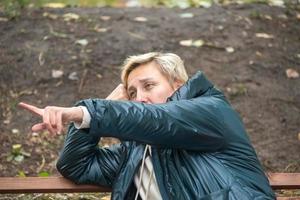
column 12, row 8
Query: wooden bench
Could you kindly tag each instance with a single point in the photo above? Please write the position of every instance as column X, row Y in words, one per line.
column 278, row 181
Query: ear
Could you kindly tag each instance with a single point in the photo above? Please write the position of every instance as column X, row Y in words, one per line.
column 177, row 84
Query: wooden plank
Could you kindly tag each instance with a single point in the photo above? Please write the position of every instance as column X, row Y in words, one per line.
column 284, row 180
column 45, row 185
column 62, row 185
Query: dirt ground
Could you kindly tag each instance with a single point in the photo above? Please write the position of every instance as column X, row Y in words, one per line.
column 253, row 76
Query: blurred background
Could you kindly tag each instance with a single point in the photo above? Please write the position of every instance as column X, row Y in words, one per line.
column 58, row 52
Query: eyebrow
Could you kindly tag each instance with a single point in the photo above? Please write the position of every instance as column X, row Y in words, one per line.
column 142, row 81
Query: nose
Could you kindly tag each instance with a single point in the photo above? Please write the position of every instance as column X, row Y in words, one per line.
column 141, row 97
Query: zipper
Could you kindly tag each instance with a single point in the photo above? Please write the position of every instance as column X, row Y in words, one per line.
column 158, row 175
column 135, row 171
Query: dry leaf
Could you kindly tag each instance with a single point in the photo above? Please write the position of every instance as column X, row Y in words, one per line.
column 299, row 136
column 99, row 76
column 282, row 16
column 50, row 16
column 229, row 49
column 54, row 5
column 264, row 35
column 268, row 17
column 41, row 59
column 100, row 30
column 258, row 54
column 70, row 16
column 205, row 4
column 186, row 15
column 198, row 43
column 140, row 19
column 57, row 73
column 279, row 3
column 105, row 18
column 15, row 131
column 2, row 19
column 195, row 43
column 73, row 76
column 186, row 43
column 291, row 73
column 82, row 42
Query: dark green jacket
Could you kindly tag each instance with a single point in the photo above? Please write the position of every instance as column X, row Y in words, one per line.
column 200, row 149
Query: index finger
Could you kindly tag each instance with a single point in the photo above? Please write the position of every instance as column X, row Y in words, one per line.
column 31, row 108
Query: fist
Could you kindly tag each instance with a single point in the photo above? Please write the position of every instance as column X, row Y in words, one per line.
column 119, row 93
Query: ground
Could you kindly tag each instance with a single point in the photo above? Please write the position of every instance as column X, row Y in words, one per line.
column 244, row 50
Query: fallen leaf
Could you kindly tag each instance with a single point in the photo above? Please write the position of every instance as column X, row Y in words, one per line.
column 43, row 174
column 186, row 43
column 258, row 54
column 57, row 73
column 135, row 35
column 195, row 43
column 99, row 76
column 220, row 27
column 82, row 42
column 100, row 30
column 3, row 19
column 292, row 73
column 41, row 59
column 54, row 5
column 186, row 15
column 16, row 148
column 264, row 35
column 268, row 17
column 21, row 174
column 105, row 18
column 299, row 136
column 229, row 49
column 279, row 3
column 7, row 121
column 198, row 43
column 15, row 131
column 19, row 158
column 205, row 4
column 282, row 16
column 70, row 16
column 140, row 19
column 73, row 76
column 50, row 16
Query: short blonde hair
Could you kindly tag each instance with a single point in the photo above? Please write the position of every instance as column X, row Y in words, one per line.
column 170, row 65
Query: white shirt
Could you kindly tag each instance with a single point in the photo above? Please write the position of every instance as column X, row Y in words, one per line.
column 144, row 180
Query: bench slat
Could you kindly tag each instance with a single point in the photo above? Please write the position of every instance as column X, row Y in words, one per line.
column 284, row 180
column 62, row 185
column 45, row 185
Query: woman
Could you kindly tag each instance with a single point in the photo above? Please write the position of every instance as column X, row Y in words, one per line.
column 181, row 139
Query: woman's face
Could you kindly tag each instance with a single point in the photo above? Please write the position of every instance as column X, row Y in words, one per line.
column 147, row 84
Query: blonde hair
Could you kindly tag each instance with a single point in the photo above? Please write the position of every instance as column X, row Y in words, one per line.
column 170, row 65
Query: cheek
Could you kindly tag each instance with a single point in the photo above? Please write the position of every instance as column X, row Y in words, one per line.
column 161, row 95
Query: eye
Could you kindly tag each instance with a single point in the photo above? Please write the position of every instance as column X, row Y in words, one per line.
column 149, row 86
column 132, row 94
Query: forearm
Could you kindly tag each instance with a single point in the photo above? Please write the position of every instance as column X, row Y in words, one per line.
column 82, row 161
column 173, row 125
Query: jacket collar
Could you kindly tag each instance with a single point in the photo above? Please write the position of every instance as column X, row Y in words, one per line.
column 196, row 86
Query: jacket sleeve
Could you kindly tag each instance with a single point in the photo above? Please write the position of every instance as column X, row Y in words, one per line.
column 82, row 161
column 194, row 124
